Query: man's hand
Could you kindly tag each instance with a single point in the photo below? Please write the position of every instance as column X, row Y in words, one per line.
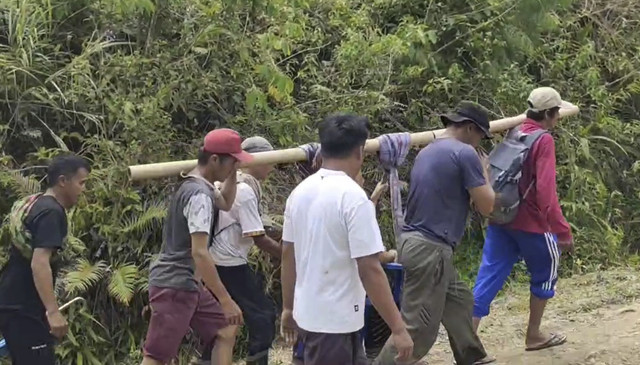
column 566, row 246
column 404, row 344
column 58, row 324
column 232, row 312
column 380, row 189
column 288, row 327
column 484, row 160
column 317, row 161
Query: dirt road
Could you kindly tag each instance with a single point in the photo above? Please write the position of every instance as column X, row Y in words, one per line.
column 600, row 314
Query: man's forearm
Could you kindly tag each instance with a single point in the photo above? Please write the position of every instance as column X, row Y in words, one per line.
column 43, row 280
column 228, row 191
column 288, row 275
column 205, row 266
column 377, row 287
column 268, row 245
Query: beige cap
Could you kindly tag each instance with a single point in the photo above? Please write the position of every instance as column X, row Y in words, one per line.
column 544, row 98
column 256, row 144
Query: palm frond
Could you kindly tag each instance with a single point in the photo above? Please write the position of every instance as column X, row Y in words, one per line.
column 75, row 246
column 123, row 283
column 153, row 214
column 22, row 185
column 84, row 275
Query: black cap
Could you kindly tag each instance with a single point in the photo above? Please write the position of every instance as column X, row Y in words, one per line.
column 468, row 111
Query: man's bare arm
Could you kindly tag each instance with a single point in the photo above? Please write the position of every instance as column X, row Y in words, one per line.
column 268, row 245
column 43, row 278
column 206, row 267
column 483, row 198
column 288, row 325
column 377, row 287
column 288, row 275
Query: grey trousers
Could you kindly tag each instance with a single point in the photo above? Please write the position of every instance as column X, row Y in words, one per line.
column 433, row 293
column 329, row 349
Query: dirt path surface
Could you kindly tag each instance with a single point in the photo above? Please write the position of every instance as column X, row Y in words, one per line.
column 600, row 314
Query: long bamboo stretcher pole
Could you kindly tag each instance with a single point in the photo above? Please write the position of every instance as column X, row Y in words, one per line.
column 173, row 168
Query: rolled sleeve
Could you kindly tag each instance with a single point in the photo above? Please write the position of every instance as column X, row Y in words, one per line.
column 249, row 218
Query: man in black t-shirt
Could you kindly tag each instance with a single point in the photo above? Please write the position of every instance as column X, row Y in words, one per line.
column 37, row 225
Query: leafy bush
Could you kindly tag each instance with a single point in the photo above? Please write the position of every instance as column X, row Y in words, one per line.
column 140, row 81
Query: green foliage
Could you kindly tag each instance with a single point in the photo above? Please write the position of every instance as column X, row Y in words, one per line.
column 140, row 81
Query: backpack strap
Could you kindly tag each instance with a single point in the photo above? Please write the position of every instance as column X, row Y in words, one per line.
column 214, row 224
column 530, row 139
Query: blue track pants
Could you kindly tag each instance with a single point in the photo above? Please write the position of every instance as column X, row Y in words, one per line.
column 504, row 247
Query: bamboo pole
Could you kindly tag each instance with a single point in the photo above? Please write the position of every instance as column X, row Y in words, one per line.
column 167, row 169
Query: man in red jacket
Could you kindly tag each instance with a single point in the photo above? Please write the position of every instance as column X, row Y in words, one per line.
column 538, row 234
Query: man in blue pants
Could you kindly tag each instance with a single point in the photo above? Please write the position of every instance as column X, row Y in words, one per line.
column 539, row 232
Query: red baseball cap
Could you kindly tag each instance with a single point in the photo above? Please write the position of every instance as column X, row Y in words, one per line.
column 226, row 141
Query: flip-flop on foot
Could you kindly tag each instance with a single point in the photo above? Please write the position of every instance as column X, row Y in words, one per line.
column 485, row 360
column 554, row 340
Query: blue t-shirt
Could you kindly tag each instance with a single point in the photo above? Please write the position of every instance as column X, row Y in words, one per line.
column 438, row 202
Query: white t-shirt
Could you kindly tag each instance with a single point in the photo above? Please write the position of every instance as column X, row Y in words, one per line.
column 233, row 238
column 330, row 222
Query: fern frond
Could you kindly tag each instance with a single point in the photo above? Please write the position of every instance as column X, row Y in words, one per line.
column 123, row 283
column 84, row 275
column 22, row 185
column 153, row 214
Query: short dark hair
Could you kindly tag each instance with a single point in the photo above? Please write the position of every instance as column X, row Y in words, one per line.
column 204, row 156
column 542, row 114
column 65, row 165
column 341, row 133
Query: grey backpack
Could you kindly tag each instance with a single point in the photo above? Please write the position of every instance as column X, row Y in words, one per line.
column 505, row 170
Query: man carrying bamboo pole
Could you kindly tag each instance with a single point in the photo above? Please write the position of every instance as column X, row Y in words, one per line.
column 446, row 174
column 331, row 244
column 177, row 297
column 538, row 233
column 237, row 231
column 36, row 228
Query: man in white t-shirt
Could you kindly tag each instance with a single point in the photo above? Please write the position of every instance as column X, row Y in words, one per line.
column 331, row 244
column 235, row 234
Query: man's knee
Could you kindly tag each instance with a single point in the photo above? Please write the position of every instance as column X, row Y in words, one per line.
column 481, row 309
column 544, row 291
column 227, row 334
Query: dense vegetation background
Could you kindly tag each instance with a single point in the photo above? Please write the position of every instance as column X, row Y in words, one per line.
column 138, row 81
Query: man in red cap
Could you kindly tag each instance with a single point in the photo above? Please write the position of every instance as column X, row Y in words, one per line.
column 177, row 296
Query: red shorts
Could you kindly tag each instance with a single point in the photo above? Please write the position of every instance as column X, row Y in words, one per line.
column 173, row 312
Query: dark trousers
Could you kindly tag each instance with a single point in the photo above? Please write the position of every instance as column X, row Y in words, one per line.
column 246, row 288
column 329, row 348
column 28, row 339
column 433, row 294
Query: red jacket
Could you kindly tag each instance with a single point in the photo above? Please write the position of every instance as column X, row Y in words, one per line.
column 539, row 211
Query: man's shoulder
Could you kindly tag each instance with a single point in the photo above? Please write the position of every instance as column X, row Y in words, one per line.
column 46, row 205
column 306, row 184
column 245, row 192
column 447, row 149
column 192, row 186
column 447, row 145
